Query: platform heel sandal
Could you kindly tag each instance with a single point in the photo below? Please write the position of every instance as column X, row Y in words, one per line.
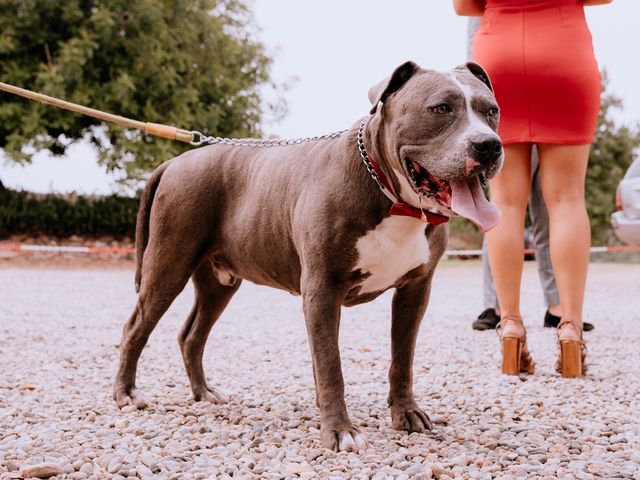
column 573, row 353
column 516, row 358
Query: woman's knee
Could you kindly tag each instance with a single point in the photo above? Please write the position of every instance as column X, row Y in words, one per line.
column 562, row 173
column 559, row 195
column 514, row 200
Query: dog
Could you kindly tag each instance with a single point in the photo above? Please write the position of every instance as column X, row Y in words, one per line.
column 337, row 221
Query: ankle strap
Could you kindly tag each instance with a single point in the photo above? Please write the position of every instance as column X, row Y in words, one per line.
column 510, row 318
column 566, row 321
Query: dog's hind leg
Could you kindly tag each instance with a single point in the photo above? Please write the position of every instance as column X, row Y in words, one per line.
column 163, row 278
column 211, row 298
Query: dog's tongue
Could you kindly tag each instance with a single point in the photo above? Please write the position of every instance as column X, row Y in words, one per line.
column 468, row 200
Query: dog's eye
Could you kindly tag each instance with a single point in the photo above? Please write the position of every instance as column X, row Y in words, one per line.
column 493, row 112
column 442, row 108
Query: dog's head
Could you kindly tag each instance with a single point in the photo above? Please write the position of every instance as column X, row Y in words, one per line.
column 438, row 135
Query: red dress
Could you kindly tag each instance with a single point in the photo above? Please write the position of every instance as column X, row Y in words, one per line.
column 539, row 56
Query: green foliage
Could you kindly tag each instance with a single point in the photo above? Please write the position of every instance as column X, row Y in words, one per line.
column 612, row 153
column 62, row 216
column 189, row 63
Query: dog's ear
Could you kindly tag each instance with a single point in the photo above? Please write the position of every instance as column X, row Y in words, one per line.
column 479, row 73
column 386, row 87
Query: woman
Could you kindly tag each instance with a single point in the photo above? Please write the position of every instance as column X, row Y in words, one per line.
column 539, row 56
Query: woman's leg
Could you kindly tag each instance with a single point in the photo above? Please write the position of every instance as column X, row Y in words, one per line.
column 510, row 194
column 562, row 173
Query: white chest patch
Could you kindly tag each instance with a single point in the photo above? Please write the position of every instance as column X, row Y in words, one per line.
column 397, row 245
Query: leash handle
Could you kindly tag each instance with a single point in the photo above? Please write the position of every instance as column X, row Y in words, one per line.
column 157, row 129
column 167, row 131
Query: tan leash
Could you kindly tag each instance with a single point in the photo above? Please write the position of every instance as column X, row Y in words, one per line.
column 157, row 129
column 193, row 137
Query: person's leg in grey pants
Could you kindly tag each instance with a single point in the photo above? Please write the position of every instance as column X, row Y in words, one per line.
column 540, row 228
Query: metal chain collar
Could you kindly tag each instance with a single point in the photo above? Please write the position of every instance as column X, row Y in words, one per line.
column 367, row 163
column 374, row 175
column 200, row 138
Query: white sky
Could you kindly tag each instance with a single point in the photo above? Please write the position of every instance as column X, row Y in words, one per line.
column 337, row 49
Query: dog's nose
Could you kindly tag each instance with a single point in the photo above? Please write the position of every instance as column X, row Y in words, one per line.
column 486, row 149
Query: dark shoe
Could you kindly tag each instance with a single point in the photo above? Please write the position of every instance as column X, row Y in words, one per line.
column 552, row 321
column 487, row 320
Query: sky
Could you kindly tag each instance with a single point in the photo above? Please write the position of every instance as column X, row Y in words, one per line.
column 332, row 52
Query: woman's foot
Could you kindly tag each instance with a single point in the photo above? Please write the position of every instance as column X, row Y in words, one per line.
column 573, row 351
column 515, row 353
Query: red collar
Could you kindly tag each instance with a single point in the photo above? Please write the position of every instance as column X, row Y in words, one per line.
column 402, row 208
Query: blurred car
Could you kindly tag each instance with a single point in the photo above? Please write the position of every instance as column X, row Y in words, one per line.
column 626, row 220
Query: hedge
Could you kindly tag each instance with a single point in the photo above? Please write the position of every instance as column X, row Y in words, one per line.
column 66, row 215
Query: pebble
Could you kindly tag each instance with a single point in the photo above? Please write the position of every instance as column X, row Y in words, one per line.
column 41, row 470
column 77, row 476
column 115, row 463
column 12, row 465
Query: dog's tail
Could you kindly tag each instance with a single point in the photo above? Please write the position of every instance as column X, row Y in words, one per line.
column 142, row 221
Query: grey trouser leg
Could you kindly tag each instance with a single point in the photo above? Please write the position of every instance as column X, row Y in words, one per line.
column 489, row 297
column 540, row 227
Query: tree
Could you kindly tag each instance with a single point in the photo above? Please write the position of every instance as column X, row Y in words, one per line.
column 612, row 152
column 189, row 63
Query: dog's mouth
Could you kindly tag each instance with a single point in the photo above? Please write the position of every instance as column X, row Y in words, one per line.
column 429, row 185
column 463, row 196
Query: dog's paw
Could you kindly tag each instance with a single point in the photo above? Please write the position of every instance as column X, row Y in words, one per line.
column 411, row 418
column 211, row 395
column 129, row 396
column 343, row 439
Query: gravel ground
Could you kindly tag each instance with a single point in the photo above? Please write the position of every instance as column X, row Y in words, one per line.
column 59, row 335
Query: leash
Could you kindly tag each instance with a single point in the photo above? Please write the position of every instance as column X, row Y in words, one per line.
column 157, row 129
column 192, row 137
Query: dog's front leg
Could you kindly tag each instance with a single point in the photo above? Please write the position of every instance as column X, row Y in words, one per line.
column 322, row 316
column 408, row 308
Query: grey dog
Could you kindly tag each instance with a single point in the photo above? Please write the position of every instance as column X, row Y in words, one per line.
column 337, row 221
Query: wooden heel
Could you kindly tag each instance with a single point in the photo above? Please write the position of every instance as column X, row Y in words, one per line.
column 511, row 349
column 571, row 354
